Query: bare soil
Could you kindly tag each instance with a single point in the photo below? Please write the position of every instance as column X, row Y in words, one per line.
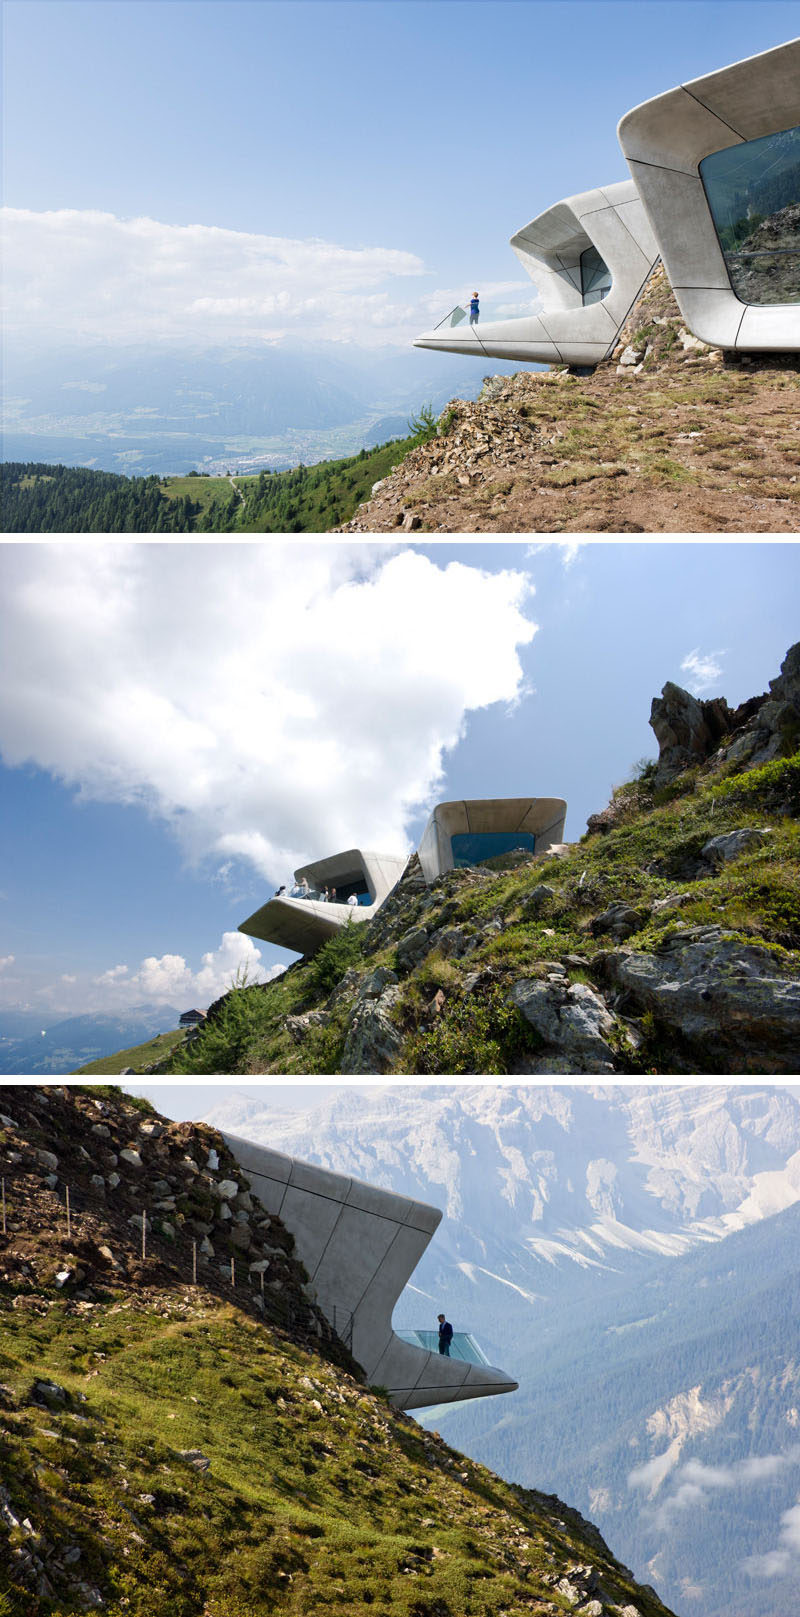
column 676, row 439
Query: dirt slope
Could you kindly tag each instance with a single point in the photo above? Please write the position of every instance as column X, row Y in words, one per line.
column 667, row 436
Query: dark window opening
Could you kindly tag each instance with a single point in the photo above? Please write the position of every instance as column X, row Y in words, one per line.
column 753, row 192
column 595, row 276
column 474, row 847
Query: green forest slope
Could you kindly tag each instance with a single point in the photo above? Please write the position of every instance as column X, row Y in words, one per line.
column 309, row 499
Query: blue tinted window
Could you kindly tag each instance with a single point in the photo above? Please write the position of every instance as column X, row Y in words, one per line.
column 472, row 847
column 753, row 191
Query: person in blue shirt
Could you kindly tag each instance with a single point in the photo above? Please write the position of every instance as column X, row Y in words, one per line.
column 445, row 1336
column 474, row 310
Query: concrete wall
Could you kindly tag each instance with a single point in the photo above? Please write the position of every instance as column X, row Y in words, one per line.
column 304, row 924
column 664, row 141
column 542, row 816
column 360, row 1244
column 565, row 330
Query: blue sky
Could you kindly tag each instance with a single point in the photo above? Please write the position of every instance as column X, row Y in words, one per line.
column 181, row 724
column 386, row 148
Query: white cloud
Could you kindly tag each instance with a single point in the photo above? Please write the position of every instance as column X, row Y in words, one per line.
column 271, row 702
column 6, row 960
column 170, row 977
column 703, row 668
column 693, row 1483
column 785, row 1558
column 83, row 276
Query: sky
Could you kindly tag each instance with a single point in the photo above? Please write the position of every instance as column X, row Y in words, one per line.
column 182, row 724
column 183, row 172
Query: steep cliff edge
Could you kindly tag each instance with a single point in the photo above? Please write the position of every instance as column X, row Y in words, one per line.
column 667, row 436
column 168, row 1452
column 665, row 941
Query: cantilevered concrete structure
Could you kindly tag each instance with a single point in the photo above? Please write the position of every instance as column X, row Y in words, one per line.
column 360, row 1245
column 305, row 922
column 457, row 834
column 589, row 257
column 715, row 193
column 468, row 832
column 716, row 162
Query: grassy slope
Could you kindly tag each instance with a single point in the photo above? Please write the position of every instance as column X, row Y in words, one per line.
column 330, row 493
column 139, row 1055
column 657, row 836
column 318, row 1498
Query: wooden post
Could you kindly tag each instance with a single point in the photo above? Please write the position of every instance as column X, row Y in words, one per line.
column 5, row 1231
column 233, row 1273
column 194, row 1263
column 144, row 1234
column 69, row 1224
column 262, row 1281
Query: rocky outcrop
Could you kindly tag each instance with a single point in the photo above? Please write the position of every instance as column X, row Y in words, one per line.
column 148, row 1200
column 708, row 990
column 691, row 732
column 572, row 1021
column 373, row 1043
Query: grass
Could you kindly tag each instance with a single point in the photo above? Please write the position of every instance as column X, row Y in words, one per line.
column 651, row 852
column 318, row 1496
column 139, row 1056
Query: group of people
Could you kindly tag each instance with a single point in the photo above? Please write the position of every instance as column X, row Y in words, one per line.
column 301, row 889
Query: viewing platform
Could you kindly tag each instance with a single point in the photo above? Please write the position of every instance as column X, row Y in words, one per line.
column 360, row 1245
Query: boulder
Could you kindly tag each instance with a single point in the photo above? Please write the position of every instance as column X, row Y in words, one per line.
column 720, row 850
column 571, row 1019
column 372, row 1043
column 412, row 947
column 618, row 921
column 687, row 731
column 726, row 998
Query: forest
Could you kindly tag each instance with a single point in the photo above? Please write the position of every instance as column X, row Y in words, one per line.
column 37, row 498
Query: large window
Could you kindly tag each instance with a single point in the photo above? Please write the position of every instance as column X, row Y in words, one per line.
column 474, row 847
column 753, row 192
column 595, row 276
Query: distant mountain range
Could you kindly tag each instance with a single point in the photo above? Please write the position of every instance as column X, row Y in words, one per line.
column 141, row 410
column 28, row 1049
column 630, row 1254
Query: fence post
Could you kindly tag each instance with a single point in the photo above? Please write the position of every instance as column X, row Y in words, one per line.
column 262, row 1281
column 5, row 1231
column 144, row 1234
column 69, row 1224
column 233, row 1273
column 194, row 1263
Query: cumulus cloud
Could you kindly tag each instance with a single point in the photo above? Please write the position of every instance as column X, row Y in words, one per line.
column 6, row 960
column 87, row 276
column 703, row 669
column 785, row 1558
column 169, row 978
column 271, row 702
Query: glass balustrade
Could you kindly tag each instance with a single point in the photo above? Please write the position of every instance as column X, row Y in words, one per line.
column 463, row 1346
column 753, row 192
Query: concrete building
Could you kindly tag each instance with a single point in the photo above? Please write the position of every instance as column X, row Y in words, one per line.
column 469, row 832
column 457, row 834
column 716, row 162
column 303, row 919
column 715, row 193
column 589, row 257
column 360, row 1245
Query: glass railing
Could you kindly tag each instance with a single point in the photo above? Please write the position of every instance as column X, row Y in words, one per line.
column 463, row 1346
column 297, row 891
column 454, row 318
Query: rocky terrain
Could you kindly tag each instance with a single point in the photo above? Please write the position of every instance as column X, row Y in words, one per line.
column 667, row 436
column 166, row 1450
column 666, row 941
